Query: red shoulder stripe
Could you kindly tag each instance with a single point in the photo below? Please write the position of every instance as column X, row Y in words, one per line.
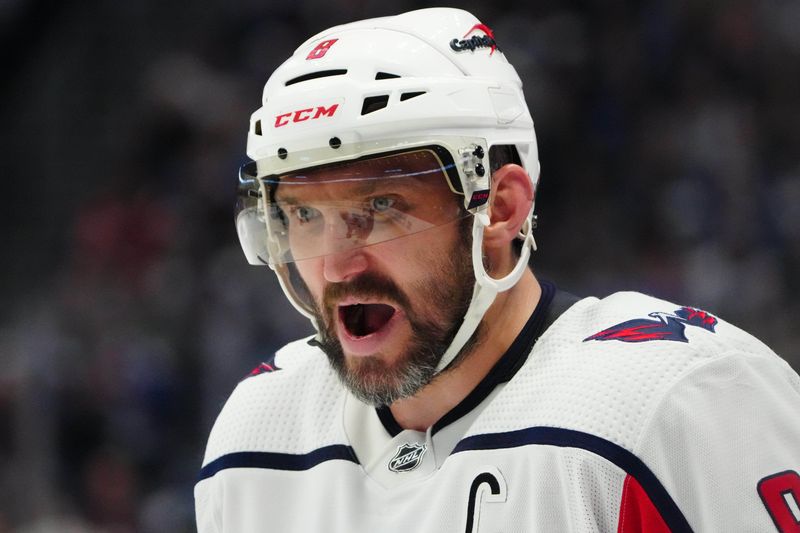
column 637, row 514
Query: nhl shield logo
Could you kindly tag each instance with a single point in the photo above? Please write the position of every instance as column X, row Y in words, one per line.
column 408, row 457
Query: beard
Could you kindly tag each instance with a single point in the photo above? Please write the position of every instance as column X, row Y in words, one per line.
column 373, row 380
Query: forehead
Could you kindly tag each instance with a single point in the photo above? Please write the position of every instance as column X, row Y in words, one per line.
column 418, row 170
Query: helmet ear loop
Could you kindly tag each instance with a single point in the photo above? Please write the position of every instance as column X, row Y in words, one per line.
column 486, row 287
column 508, row 281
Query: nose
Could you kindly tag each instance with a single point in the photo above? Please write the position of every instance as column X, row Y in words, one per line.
column 341, row 266
column 344, row 235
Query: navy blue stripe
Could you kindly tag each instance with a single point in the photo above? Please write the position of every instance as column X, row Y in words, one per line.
column 279, row 461
column 614, row 453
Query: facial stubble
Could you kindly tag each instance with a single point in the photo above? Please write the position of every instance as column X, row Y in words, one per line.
column 447, row 289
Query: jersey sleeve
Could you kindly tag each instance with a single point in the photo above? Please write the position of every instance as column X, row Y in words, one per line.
column 725, row 443
column 207, row 507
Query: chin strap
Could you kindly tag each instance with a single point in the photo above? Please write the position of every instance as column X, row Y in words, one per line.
column 486, row 287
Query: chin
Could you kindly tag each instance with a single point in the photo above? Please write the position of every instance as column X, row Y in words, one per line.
column 376, row 382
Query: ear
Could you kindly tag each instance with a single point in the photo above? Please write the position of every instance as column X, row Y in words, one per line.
column 509, row 205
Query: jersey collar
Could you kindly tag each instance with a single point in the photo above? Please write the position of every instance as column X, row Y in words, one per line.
column 503, row 370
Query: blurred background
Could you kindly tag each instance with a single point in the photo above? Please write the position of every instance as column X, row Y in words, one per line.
column 669, row 133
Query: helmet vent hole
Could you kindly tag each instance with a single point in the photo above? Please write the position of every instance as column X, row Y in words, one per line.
column 386, row 76
column 335, row 142
column 408, row 96
column 374, row 103
column 503, row 154
column 315, row 75
column 257, row 127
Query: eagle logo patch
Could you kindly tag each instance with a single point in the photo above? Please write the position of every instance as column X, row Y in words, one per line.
column 665, row 327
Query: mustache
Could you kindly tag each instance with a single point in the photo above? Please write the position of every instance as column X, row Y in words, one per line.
column 366, row 285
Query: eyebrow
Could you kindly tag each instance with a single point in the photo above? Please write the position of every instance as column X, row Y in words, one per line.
column 361, row 187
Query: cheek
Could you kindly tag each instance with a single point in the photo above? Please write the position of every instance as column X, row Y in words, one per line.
column 436, row 246
column 418, row 258
column 311, row 272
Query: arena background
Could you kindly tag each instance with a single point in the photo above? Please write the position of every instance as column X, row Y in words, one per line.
column 668, row 132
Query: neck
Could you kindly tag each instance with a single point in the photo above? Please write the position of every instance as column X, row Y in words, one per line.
column 502, row 323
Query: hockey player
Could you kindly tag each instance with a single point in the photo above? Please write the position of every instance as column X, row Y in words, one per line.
column 447, row 389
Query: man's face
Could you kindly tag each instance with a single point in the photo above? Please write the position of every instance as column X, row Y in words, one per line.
column 387, row 311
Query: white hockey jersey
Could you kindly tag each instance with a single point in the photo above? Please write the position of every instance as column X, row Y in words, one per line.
column 628, row 414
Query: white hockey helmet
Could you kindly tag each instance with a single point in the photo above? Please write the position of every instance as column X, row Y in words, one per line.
column 427, row 92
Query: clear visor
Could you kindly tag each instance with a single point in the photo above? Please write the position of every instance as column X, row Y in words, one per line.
column 328, row 209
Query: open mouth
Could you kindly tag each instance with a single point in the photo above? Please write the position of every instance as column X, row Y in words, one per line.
column 361, row 320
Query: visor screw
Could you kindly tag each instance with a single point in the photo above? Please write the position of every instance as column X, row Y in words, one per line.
column 282, row 153
column 335, row 142
column 478, row 152
column 479, row 170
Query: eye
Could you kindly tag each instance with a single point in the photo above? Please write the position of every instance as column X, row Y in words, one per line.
column 381, row 203
column 305, row 214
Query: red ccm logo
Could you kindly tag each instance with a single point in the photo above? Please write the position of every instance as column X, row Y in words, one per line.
column 309, row 113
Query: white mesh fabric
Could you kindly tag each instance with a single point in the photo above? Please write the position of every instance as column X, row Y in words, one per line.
column 722, row 429
column 293, row 410
column 710, row 417
column 596, row 490
column 606, row 388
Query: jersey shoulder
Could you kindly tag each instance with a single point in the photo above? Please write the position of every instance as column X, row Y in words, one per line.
column 605, row 366
column 288, row 404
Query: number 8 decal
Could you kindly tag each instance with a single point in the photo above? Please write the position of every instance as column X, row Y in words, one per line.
column 321, row 49
column 781, row 496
